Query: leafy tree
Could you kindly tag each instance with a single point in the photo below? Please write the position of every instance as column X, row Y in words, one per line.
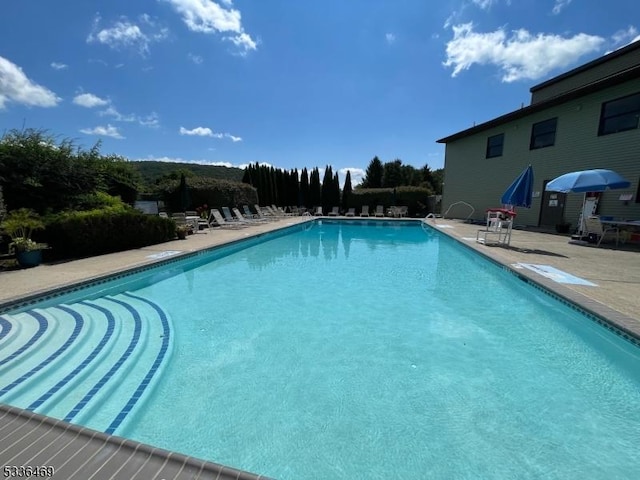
column 373, row 175
column 392, row 174
column 438, row 181
column 44, row 174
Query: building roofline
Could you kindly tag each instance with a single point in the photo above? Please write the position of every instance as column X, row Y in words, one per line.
column 616, row 79
column 587, row 66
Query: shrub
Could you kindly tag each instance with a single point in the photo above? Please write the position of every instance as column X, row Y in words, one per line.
column 201, row 190
column 99, row 231
column 416, row 198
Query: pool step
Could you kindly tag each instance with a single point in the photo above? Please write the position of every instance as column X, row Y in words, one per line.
column 90, row 362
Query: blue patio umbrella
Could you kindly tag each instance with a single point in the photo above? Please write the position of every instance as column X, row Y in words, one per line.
column 597, row 180
column 520, row 192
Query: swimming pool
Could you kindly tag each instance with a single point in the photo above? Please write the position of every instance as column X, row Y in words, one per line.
column 357, row 351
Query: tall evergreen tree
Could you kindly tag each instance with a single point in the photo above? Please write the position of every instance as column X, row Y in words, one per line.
column 295, row 189
column 315, row 189
column 373, row 175
column 327, row 188
column 304, row 189
column 346, row 191
column 335, row 191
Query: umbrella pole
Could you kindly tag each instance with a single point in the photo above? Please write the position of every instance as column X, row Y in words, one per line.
column 582, row 222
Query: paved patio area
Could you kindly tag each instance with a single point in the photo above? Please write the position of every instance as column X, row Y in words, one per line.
column 613, row 296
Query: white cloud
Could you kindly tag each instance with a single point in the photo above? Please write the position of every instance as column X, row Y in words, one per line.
column 626, row 37
column 58, row 66
column 150, row 120
column 198, row 131
column 560, row 5
column 207, row 16
column 207, row 132
column 16, row 87
column 197, row 59
column 108, row 131
column 357, row 174
column 127, row 34
column 111, row 111
column 390, row 38
column 198, row 162
column 89, row 100
column 244, row 43
column 521, row 56
column 484, row 4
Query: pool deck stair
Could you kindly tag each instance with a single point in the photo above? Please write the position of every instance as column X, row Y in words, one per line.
column 58, row 357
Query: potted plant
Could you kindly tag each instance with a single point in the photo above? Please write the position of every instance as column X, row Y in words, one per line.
column 19, row 225
column 182, row 231
column 563, row 227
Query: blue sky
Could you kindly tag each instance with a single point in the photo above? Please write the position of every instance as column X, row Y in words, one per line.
column 290, row 83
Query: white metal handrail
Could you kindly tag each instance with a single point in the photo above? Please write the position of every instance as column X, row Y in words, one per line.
column 444, row 215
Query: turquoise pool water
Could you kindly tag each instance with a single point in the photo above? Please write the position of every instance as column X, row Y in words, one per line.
column 347, row 351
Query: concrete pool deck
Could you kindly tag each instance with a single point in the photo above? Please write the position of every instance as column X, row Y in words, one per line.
column 75, row 452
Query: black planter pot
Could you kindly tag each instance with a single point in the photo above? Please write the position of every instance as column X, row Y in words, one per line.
column 32, row 258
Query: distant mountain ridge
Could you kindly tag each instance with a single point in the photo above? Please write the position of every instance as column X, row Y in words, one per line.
column 151, row 170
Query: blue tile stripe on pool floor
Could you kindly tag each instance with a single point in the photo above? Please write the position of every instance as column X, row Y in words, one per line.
column 68, row 342
column 42, row 327
column 106, row 337
column 5, row 327
column 152, row 371
column 107, row 376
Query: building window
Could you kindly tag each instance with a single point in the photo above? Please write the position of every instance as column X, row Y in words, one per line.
column 620, row 115
column 543, row 134
column 494, row 146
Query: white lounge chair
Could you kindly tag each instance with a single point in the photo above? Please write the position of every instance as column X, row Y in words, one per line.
column 318, row 212
column 335, row 211
column 222, row 223
column 351, row 212
column 264, row 212
column 595, row 227
column 244, row 219
column 365, row 211
column 379, row 211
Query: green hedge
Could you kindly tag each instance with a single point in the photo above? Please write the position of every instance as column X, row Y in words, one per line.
column 416, row 198
column 206, row 191
column 95, row 232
